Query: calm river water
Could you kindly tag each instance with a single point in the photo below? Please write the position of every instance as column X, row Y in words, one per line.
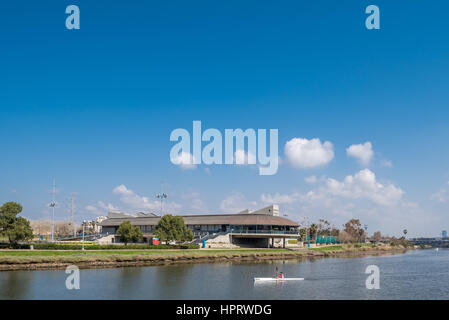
column 418, row 274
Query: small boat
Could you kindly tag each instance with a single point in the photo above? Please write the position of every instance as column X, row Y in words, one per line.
column 278, row 279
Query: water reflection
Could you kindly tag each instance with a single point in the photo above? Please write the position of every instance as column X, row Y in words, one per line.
column 15, row 285
column 415, row 275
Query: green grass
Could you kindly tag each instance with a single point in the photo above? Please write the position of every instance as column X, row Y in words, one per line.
column 328, row 248
column 90, row 246
column 49, row 253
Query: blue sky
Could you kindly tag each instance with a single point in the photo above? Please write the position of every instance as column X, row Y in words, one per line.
column 94, row 108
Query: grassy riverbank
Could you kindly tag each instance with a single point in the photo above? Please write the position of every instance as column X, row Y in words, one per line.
column 354, row 248
column 57, row 259
column 51, row 259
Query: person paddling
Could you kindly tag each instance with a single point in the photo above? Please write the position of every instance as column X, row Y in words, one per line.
column 280, row 275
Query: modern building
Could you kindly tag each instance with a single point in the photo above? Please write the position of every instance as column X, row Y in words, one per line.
column 94, row 226
column 444, row 234
column 261, row 228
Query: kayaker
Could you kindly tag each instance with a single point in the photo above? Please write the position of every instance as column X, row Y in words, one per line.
column 280, row 275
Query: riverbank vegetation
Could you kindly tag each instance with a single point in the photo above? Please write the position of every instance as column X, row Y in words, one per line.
column 352, row 237
column 51, row 259
column 13, row 227
column 172, row 228
column 57, row 259
column 364, row 247
column 79, row 246
column 129, row 233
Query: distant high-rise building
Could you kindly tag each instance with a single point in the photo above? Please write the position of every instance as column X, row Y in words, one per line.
column 444, row 234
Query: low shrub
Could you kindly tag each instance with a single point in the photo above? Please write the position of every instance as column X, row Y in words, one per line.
column 12, row 246
column 56, row 246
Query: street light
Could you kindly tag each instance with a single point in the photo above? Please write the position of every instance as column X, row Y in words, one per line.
column 161, row 196
column 53, row 205
column 230, row 239
column 84, row 222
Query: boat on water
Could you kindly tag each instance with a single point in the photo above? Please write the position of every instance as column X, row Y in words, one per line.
column 278, row 279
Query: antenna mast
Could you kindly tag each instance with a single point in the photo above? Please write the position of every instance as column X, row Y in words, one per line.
column 71, row 217
column 53, row 205
column 161, row 196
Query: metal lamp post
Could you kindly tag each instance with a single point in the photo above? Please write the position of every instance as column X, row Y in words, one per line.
column 161, row 196
column 53, row 205
column 84, row 222
column 230, row 239
column 366, row 231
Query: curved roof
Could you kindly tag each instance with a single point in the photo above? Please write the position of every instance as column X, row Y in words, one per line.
column 218, row 219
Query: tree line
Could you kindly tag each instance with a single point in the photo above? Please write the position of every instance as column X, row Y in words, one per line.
column 169, row 228
column 16, row 228
column 352, row 231
column 172, row 228
column 13, row 227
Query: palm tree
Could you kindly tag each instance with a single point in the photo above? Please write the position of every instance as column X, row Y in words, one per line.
column 302, row 234
column 313, row 230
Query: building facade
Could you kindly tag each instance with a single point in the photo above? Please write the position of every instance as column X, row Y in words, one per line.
column 261, row 228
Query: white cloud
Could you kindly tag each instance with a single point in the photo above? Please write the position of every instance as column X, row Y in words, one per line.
column 302, row 153
column 193, row 202
column 243, row 158
column 185, row 160
column 441, row 196
column 311, row 179
column 364, row 185
column 108, row 206
column 278, row 198
column 386, row 163
column 133, row 200
column 379, row 204
column 93, row 209
column 136, row 202
column 236, row 202
column 362, row 152
column 361, row 186
column 100, row 208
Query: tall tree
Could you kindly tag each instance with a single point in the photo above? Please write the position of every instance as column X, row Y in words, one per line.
column 302, row 234
column 129, row 233
column 354, row 230
column 324, row 228
column 13, row 227
column 313, row 230
column 171, row 228
column 377, row 236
